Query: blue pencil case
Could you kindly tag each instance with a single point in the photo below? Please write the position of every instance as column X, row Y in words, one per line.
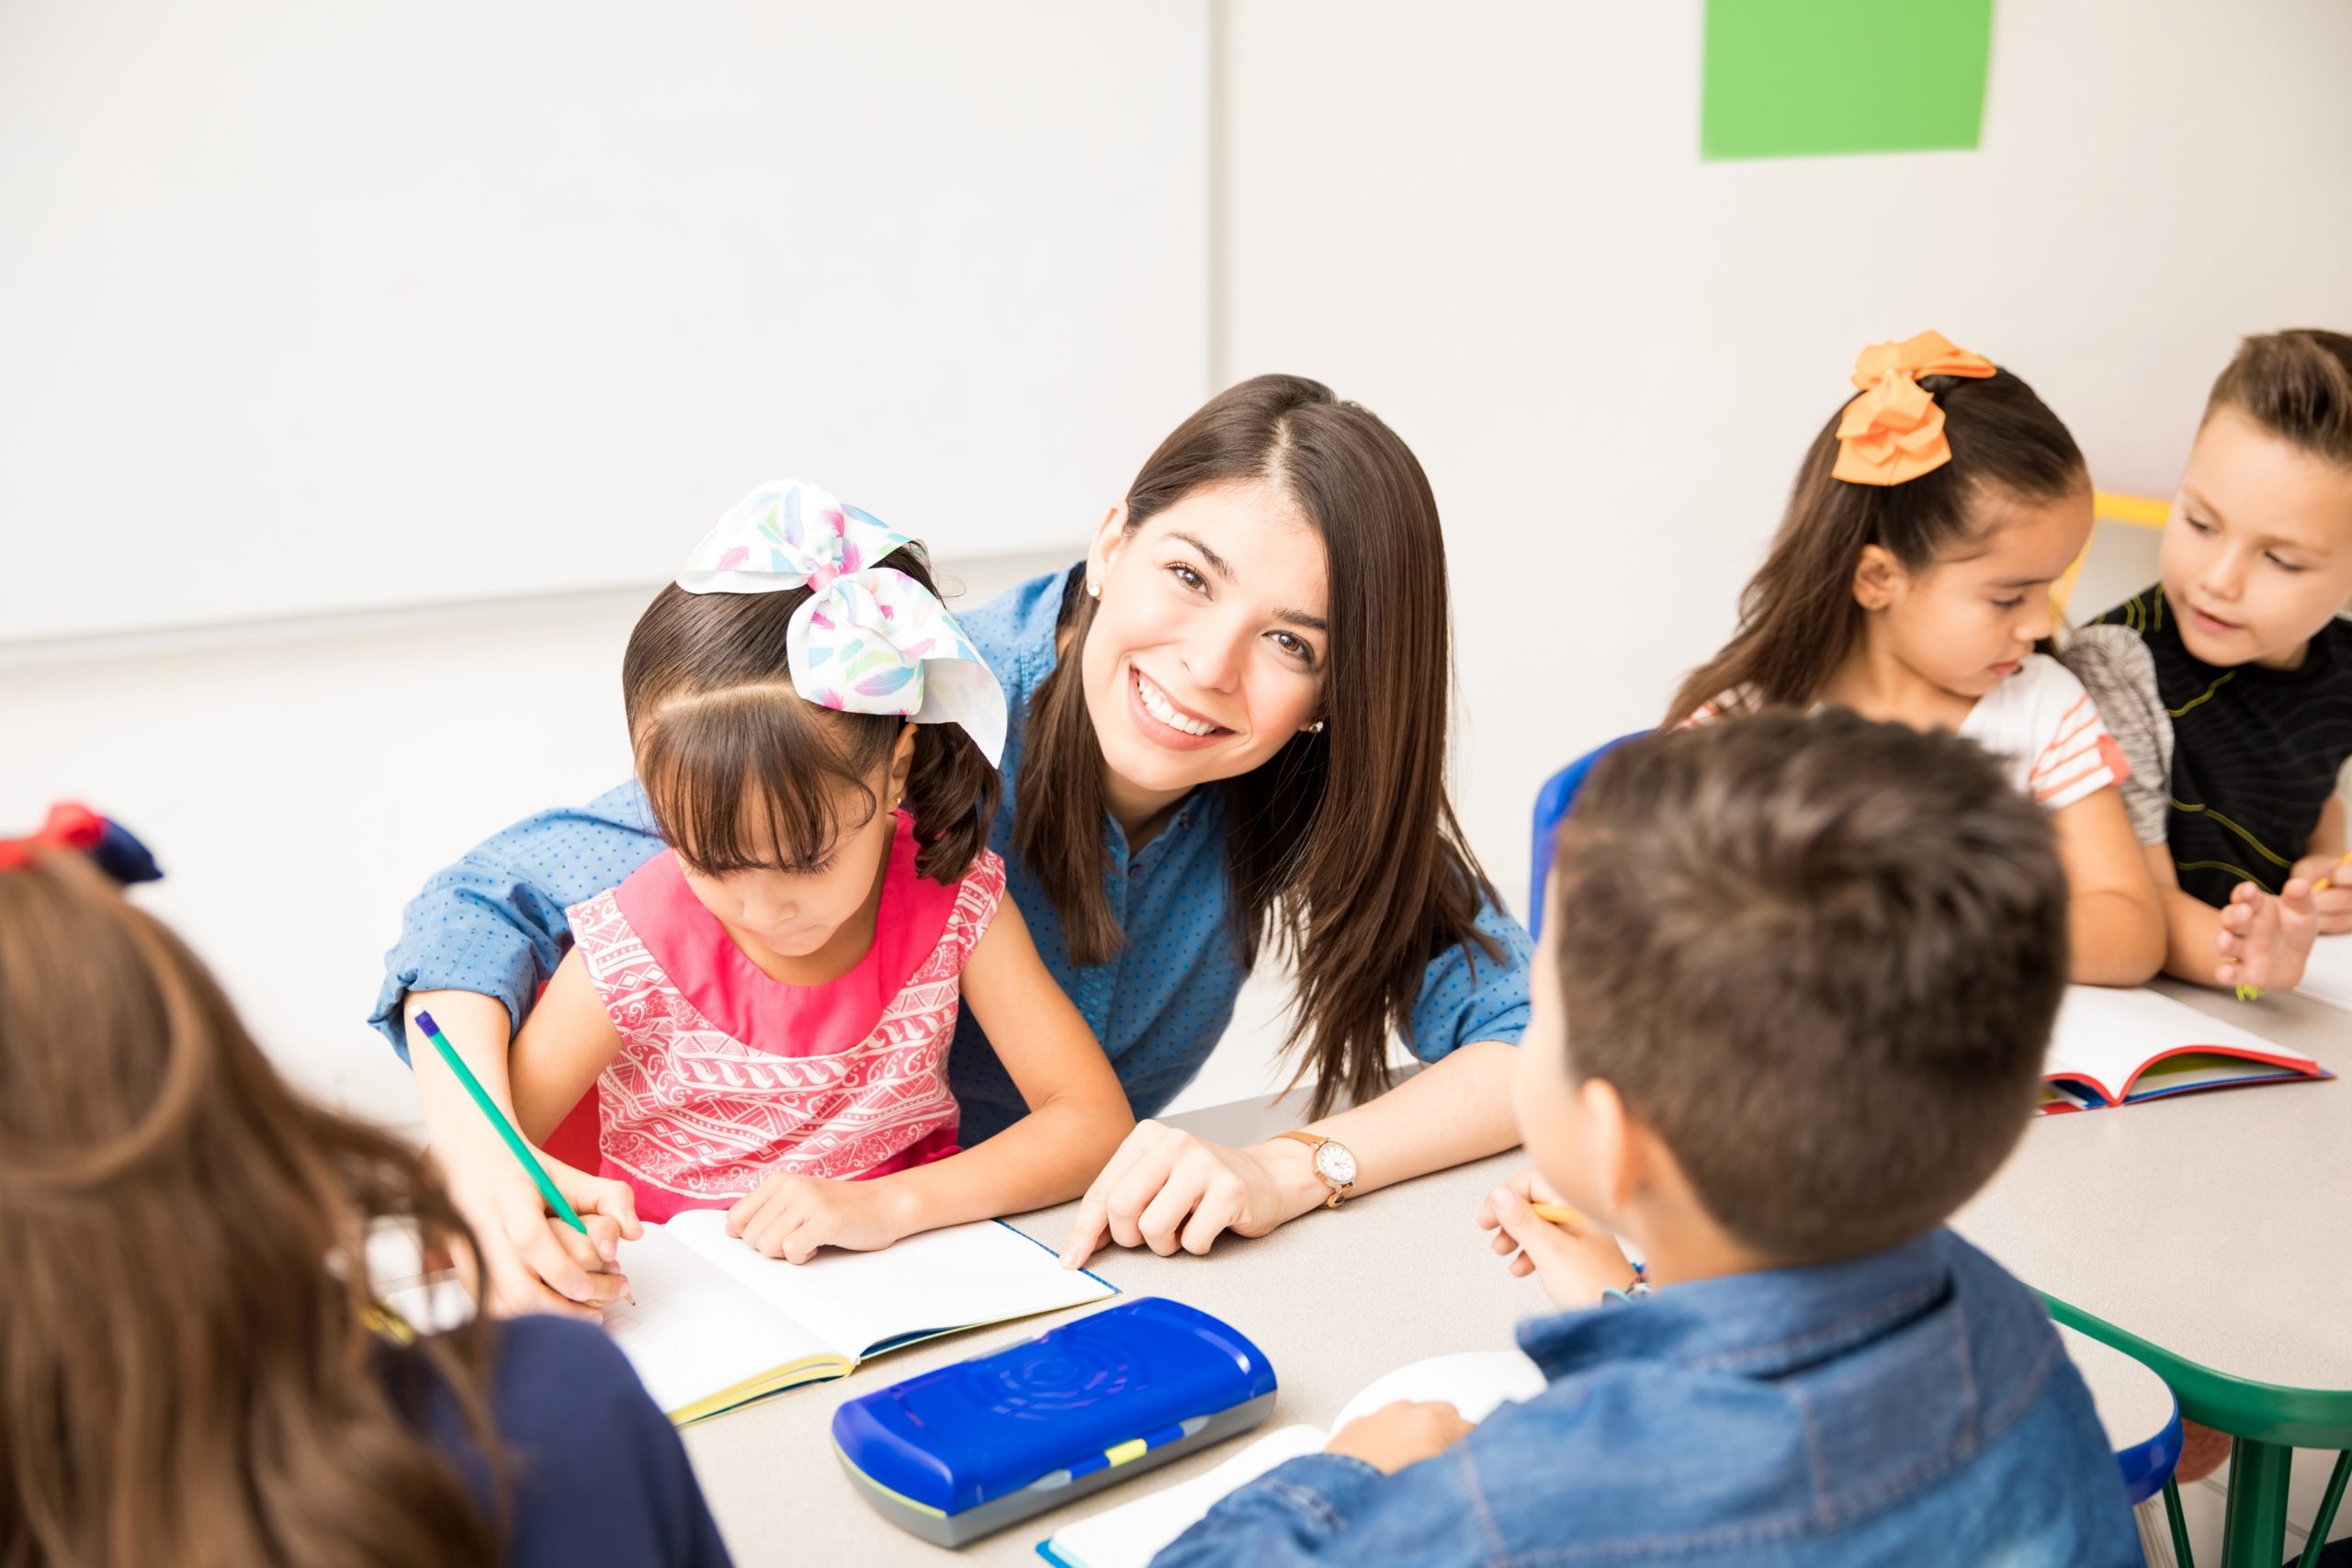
column 954, row 1454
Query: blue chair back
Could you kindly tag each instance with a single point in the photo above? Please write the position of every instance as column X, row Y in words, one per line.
column 1552, row 803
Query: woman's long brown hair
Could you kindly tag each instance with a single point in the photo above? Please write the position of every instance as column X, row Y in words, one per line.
column 1798, row 617
column 1342, row 849
column 187, row 1373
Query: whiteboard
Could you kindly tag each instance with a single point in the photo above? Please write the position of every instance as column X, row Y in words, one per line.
column 312, row 306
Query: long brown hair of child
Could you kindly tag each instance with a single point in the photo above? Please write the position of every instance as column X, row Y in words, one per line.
column 190, row 1367
column 1342, row 849
column 743, row 773
column 1798, row 617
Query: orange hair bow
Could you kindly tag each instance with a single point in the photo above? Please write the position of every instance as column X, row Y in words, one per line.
column 1893, row 429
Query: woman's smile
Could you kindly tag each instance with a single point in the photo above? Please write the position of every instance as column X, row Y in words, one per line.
column 1160, row 719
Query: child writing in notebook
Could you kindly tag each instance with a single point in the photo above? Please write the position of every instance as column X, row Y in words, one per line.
column 2229, row 681
column 1910, row 582
column 198, row 1373
column 764, row 1010
column 1764, row 936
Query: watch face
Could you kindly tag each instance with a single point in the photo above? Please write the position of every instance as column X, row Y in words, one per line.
column 1335, row 1163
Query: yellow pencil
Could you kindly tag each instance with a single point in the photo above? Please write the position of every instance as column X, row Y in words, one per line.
column 2321, row 885
column 1558, row 1215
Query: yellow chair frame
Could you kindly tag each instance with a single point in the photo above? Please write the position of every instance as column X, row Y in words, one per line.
column 2109, row 506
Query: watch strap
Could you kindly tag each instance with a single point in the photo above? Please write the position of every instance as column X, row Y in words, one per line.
column 1338, row 1190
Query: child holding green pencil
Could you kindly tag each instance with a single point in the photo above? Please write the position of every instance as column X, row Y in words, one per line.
column 764, row 1012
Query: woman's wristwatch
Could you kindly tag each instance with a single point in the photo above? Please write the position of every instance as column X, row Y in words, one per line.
column 1333, row 1163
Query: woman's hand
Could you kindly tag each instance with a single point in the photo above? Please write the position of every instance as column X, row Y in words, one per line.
column 1166, row 1189
column 531, row 1261
column 1576, row 1262
column 1397, row 1434
column 2335, row 902
column 791, row 1216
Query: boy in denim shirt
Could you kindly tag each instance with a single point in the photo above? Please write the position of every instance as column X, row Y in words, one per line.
column 1790, row 1014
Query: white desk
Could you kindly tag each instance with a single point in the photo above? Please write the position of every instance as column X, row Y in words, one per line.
column 1410, row 1263
column 2205, row 1236
column 780, row 1496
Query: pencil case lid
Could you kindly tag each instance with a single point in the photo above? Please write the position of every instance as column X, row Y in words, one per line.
column 1073, row 1398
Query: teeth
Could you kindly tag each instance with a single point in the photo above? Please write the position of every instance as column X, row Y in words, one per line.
column 1156, row 705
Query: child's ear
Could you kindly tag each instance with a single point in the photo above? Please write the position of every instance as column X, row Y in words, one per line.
column 1612, row 1140
column 1875, row 576
column 1109, row 537
column 902, row 759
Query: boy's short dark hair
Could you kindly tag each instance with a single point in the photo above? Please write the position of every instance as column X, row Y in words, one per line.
column 1820, row 958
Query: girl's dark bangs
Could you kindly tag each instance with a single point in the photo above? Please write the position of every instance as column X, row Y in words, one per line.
column 748, row 781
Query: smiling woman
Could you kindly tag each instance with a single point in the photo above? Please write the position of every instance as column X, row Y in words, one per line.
column 1267, row 610
column 1226, row 730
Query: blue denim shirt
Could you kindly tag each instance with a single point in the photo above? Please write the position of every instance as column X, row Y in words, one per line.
column 1911, row 1406
column 493, row 923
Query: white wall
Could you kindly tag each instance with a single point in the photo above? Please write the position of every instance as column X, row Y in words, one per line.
column 317, row 306
column 1490, row 223
column 276, row 775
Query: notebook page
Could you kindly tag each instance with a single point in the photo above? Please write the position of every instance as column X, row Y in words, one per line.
column 692, row 1332
column 1474, row 1381
column 2328, row 977
column 1132, row 1534
column 2106, row 1034
column 933, row 1282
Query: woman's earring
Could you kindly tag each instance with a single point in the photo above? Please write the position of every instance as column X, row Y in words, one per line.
column 1093, row 589
column 1315, row 729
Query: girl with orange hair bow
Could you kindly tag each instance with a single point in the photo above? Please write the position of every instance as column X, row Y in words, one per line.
column 1910, row 582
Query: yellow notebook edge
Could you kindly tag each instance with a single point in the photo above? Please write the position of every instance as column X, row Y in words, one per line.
column 824, row 1369
column 777, row 1380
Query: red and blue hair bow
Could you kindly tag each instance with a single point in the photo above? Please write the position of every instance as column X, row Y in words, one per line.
column 112, row 847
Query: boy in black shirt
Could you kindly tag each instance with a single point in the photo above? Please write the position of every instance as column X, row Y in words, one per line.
column 2229, row 683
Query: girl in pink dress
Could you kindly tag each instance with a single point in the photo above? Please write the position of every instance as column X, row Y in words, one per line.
column 765, row 1011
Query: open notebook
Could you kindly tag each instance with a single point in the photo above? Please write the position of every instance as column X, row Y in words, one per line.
column 715, row 1324
column 2328, row 977
column 1130, row 1535
column 2119, row 1047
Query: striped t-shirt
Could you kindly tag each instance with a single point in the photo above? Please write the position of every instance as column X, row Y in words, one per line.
column 2041, row 726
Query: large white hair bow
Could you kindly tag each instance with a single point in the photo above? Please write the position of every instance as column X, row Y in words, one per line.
column 870, row 639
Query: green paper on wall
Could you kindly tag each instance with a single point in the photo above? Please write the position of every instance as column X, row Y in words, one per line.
column 1793, row 78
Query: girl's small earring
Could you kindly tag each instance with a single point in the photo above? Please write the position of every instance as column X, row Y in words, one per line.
column 1094, row 591
column 1315, row 729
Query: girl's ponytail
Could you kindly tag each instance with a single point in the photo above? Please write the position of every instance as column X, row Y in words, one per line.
column 952, row 793
column 1798, row 618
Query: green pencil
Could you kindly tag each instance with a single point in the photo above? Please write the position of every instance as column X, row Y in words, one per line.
column 515, row 1143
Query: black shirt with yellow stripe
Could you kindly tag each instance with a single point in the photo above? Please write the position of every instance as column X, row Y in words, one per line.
column 2256, row 751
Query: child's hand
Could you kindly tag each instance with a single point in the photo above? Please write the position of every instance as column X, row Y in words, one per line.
column 531, row 1261
column 2335, row 906
column 2265, row 941
column 1397, row 1434
column 791, row 1216
column 1574, row 1262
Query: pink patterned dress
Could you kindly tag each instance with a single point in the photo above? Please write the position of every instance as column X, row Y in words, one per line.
column 725, row 1076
